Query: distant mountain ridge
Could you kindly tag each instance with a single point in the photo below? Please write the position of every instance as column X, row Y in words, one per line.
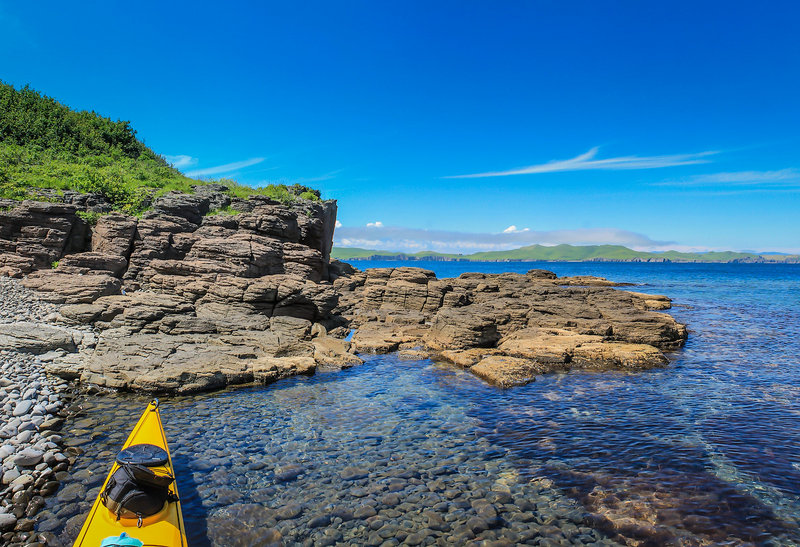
column 568, row 253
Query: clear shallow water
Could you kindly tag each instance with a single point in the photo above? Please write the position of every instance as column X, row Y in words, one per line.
column 706, row 451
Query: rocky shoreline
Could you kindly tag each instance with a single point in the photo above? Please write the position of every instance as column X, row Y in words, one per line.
column 184, row 300
column 508, row 328
column 34, row 404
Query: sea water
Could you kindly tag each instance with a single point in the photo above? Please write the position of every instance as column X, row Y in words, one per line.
column 706, row 450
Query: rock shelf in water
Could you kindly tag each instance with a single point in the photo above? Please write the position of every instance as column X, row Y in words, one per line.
column 181, row 301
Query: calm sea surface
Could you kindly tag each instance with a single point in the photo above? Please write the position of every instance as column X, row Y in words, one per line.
column 705, row 451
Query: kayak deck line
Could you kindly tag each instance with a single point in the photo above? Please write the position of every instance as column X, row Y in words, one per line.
column 163, row 529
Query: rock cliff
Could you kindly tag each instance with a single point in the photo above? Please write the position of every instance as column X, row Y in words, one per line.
column 205, row 291
column 182, row 300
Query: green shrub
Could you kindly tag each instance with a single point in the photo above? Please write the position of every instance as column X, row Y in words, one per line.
column 223, row 211
column 46, row 145
column 311, row 196
column 90, row 217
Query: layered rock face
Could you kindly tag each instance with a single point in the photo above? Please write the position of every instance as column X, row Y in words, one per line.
column 507, row 328
column 182, row 300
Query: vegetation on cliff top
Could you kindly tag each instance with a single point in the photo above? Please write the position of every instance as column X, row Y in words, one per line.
column 565, row 253
column 45, row 146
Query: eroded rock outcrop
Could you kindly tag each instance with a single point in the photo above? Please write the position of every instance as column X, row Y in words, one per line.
column 507, row 328
column 180, row 300
column 184, row 300
column 35, row 234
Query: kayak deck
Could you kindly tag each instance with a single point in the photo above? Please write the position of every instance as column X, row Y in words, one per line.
column 165, row 528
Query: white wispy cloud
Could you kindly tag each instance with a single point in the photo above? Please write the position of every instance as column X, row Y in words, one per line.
column 588, row 161
column 181, row 161
column 377, row 224
column 222, row 169
column 304, row 180
column 395, row 238
column 338, row 224
column 781, row 178
column 513, row 230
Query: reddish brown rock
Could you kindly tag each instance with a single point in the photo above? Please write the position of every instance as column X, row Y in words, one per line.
column 524, row 324
column 113, row 234
column 618, row 355
column 94, row 262
column 72, row 288
column 551, row 346
column 463, row 328
column 505, row 372
column 14, row 265
column 42, row 231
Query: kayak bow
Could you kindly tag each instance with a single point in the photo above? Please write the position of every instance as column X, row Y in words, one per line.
column 163, row 529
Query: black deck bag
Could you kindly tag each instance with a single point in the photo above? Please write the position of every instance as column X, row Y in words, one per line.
column 135, row 491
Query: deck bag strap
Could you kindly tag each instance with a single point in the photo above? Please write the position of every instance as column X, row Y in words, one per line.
column 134, row 491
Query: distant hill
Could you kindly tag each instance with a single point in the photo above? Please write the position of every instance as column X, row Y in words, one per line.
column 47, row 148
column 567, row 253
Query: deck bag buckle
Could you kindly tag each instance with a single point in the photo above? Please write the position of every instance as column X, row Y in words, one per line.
column 135, row 491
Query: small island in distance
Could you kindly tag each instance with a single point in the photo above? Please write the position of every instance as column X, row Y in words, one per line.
column 569, row 253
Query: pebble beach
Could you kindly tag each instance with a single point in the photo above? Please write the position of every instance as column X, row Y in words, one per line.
column 33, row 407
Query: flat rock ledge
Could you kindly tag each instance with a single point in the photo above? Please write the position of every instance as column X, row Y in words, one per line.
column 208, row 333
column 508, row 328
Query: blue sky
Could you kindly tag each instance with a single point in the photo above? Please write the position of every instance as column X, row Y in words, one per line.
column 457, row 125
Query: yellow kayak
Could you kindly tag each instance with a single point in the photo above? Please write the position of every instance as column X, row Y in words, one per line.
column 114, row 521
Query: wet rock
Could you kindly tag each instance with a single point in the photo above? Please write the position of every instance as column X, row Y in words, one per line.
column 319, row 521
column 227, row 496
column 477, row 525
column 353, row 473
column 28, row 457
column 23, row 481
column 507, row 372
column 390, row 500
column 289, row 511
column 71, row 493
column 364, row 512
column 342, row 513
column 288, row 472
column 7, row 522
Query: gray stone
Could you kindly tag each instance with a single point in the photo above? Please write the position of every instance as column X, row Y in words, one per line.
column 289, row 511
column 319, row 521
column 34, row 337
column 28, row 457
column 353, row 473
column 364, row 512
column 10, row 476
column 23, row 480
column 7, row 522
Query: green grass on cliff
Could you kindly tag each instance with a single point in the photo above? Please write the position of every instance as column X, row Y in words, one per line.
column 47, row 148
